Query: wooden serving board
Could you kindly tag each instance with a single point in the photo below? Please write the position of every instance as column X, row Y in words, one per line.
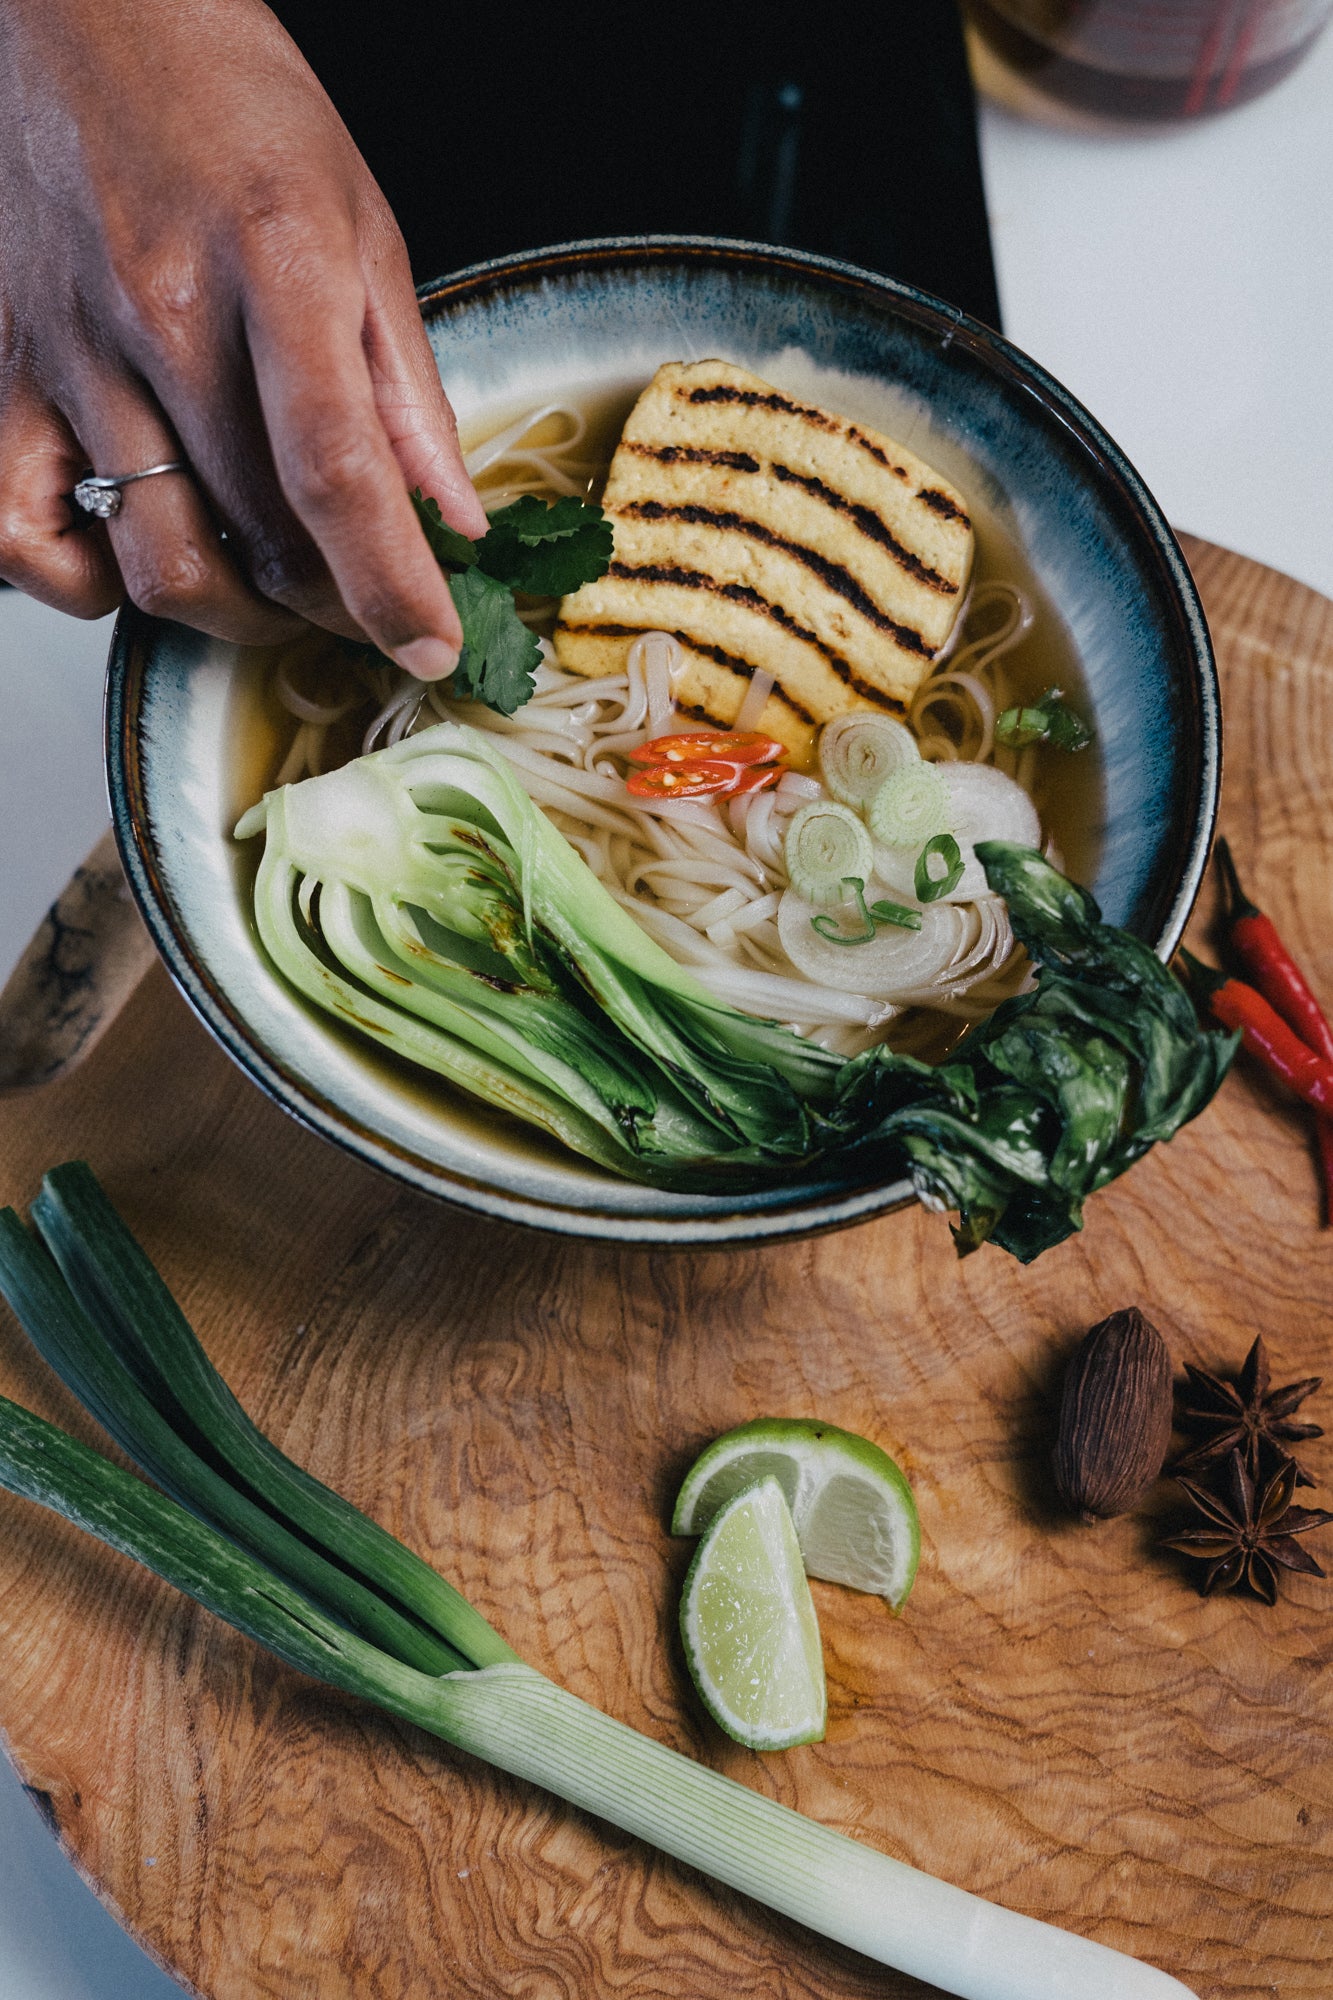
column 1057, row 1720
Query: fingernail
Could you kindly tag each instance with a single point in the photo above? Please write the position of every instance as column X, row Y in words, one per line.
column 428, row 659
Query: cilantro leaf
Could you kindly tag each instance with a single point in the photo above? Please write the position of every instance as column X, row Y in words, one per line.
column 541, row 550
column 500, row 656
column 545, row 551
column 450, row 549
column 1044, row 721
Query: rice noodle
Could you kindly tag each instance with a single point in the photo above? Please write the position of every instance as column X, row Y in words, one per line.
column 756, row 700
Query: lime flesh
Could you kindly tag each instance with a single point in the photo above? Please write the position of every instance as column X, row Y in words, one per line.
column 853, row 1511
column 749, row 1627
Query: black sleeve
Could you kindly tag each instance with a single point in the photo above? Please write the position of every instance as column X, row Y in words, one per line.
column 847, row 129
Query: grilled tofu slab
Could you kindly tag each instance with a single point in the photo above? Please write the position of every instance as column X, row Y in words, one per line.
column 765, row 533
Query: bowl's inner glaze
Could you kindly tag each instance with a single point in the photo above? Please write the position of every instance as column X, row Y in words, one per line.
column 600, row 322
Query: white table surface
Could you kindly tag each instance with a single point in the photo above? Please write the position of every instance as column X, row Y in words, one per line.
column 1180, row 283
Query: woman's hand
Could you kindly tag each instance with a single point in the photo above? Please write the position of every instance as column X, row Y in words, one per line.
column 195, row 263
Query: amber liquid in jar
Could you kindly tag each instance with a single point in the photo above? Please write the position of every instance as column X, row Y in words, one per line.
column 1150, row 59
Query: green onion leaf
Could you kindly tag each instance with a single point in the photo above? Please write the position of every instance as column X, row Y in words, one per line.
column 113, row 1314
column 896, row 913
column 1048, row 720
column 871, row 916
column 827, row 926
column 929, row 888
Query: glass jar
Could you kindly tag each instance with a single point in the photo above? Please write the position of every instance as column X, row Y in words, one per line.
column 1149, row 59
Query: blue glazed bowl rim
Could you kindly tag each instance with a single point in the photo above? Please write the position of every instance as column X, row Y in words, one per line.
column 810, row 1212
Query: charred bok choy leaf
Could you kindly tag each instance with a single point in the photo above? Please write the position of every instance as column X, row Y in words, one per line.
column 256, row 1540
column 537, row 549
column 1062, row 1088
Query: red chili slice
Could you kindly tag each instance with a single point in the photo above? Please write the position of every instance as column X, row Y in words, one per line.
column 757, row 778
column 701, row 778
column 743, row 746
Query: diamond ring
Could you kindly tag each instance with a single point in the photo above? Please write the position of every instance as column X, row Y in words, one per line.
column 103, row 497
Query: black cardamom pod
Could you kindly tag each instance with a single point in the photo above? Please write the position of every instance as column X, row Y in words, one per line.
column 1115, row 1417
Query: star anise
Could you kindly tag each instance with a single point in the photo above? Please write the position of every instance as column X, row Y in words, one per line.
column 1248, row 1532
column 1244, row 1416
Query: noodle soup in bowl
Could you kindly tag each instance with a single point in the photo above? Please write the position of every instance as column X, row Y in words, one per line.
column 1076, row 583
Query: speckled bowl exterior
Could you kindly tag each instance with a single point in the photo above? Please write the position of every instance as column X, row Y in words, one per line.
column 606, row 314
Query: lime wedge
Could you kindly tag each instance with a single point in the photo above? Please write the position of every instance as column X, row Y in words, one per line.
column 749, row 1626
column 854, row 1514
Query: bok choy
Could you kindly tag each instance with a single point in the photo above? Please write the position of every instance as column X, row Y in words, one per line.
column 423, row 899
column 421, row 896
column 250, row 1536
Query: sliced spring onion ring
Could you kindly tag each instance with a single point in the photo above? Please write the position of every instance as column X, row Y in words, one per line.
column 858, row 752
column 911, row 806
column 929, row 886
column 825, row 844
column 1049, row 720
column 984, row 804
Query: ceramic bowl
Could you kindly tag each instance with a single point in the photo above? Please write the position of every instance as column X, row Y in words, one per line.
column 520, row 330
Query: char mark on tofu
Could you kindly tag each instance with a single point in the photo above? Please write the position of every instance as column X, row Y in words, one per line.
column 869, row 524
column 941, row 504
column 693, row 454
column 838, row 579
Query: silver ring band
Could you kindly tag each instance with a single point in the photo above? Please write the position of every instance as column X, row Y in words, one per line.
column 102, row 497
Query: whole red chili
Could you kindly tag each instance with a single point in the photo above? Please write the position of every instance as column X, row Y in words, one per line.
column 1255, row 939
column 1271, row 967
column 1264, row 1032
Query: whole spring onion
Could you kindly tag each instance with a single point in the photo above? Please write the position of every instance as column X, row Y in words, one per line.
column 911, row 806
column 858, row 752
column 824, row 845
column 95, row 1307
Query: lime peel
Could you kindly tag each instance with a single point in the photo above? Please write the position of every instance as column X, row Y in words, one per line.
column 852, row 1509
column 749, row 1628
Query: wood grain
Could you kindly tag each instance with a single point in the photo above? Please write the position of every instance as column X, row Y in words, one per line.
column 1057, row 1720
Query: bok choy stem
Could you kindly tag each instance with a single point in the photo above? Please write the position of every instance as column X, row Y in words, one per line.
column 504, row 1712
